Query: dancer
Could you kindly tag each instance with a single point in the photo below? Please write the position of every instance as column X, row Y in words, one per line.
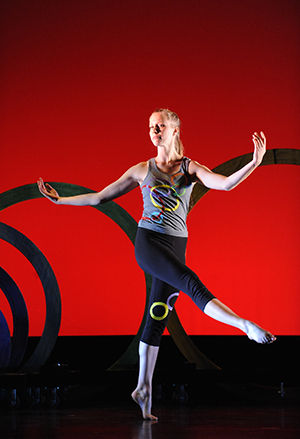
column 166, row 183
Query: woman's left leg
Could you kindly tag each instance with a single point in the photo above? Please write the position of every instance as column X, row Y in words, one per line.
column 142, row 395
column 218, row 311
column 157, row 258
column 161, row 302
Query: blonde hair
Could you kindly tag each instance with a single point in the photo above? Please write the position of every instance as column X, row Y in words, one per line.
column 174, row 119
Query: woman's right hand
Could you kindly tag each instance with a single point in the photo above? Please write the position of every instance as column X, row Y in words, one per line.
column 48, row 191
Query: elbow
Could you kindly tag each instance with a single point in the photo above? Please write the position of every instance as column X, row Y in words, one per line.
column 95, row 200
column 224, row 186
column 228, row 188
column 228, row 185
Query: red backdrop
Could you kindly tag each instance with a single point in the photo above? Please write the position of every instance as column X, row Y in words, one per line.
column 79, row 80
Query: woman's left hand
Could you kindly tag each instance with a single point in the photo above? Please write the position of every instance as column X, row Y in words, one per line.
column 260, row 142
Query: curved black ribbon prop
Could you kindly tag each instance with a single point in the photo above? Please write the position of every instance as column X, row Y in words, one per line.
column 129, row 226
column 20, row 319
column 51, row 290
column 5, row 344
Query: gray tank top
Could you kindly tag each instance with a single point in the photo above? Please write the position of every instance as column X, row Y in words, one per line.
column 166, row 199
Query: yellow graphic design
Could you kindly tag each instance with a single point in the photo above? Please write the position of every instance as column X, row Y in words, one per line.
column 167, row 209
column 164, row 305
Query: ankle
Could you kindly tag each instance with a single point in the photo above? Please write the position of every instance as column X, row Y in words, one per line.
column 143, row 387
column 243, row 325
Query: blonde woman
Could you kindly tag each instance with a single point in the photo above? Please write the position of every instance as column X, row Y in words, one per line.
column 166, row 183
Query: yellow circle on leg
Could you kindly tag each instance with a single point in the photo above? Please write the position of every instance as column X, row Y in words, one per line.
column 159, row 304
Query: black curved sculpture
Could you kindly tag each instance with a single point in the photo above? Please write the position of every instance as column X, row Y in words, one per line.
column 20, row 319
column 129, row 226
column 52, row 295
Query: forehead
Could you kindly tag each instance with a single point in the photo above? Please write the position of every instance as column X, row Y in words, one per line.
column 158, row 118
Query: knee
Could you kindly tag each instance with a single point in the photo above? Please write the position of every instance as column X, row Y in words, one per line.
column 198, row 292
column 157, row 319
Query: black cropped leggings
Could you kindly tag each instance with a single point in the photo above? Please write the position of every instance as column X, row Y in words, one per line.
column 163, row 257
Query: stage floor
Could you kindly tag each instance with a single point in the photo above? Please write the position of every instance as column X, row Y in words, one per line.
column 124, row 421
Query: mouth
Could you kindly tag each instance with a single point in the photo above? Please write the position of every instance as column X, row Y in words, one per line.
column 156, row 137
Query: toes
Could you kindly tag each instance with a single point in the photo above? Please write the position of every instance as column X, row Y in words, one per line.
column 270, row 338
column 150, row 418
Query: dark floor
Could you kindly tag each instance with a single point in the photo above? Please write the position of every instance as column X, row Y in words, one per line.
column 174, row 422
column 255, row 395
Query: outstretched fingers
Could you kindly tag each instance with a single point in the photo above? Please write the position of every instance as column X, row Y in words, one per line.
column 260, row 143
column 263, row 136
column 47, row 190
column 41, row 185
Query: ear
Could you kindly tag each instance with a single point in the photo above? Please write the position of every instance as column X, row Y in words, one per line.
column 176, row 131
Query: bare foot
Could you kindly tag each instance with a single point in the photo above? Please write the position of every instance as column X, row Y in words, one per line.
column 143, row 399
column 258, row 334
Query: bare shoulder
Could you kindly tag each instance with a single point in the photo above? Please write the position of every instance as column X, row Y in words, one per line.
column 196, row 168
column 139, row 171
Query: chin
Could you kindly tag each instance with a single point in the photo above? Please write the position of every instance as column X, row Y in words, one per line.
column 156, row 143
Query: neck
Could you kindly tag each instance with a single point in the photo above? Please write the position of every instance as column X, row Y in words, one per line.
column 167, row 155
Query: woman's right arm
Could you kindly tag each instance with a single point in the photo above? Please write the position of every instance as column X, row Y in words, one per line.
column 128, row 181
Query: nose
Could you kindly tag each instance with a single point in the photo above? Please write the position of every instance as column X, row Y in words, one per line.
column 156, row 130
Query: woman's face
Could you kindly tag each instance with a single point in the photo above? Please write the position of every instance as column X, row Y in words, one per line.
column 161, row 130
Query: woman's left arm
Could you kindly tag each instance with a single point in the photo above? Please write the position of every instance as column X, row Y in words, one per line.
column 212, row 180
